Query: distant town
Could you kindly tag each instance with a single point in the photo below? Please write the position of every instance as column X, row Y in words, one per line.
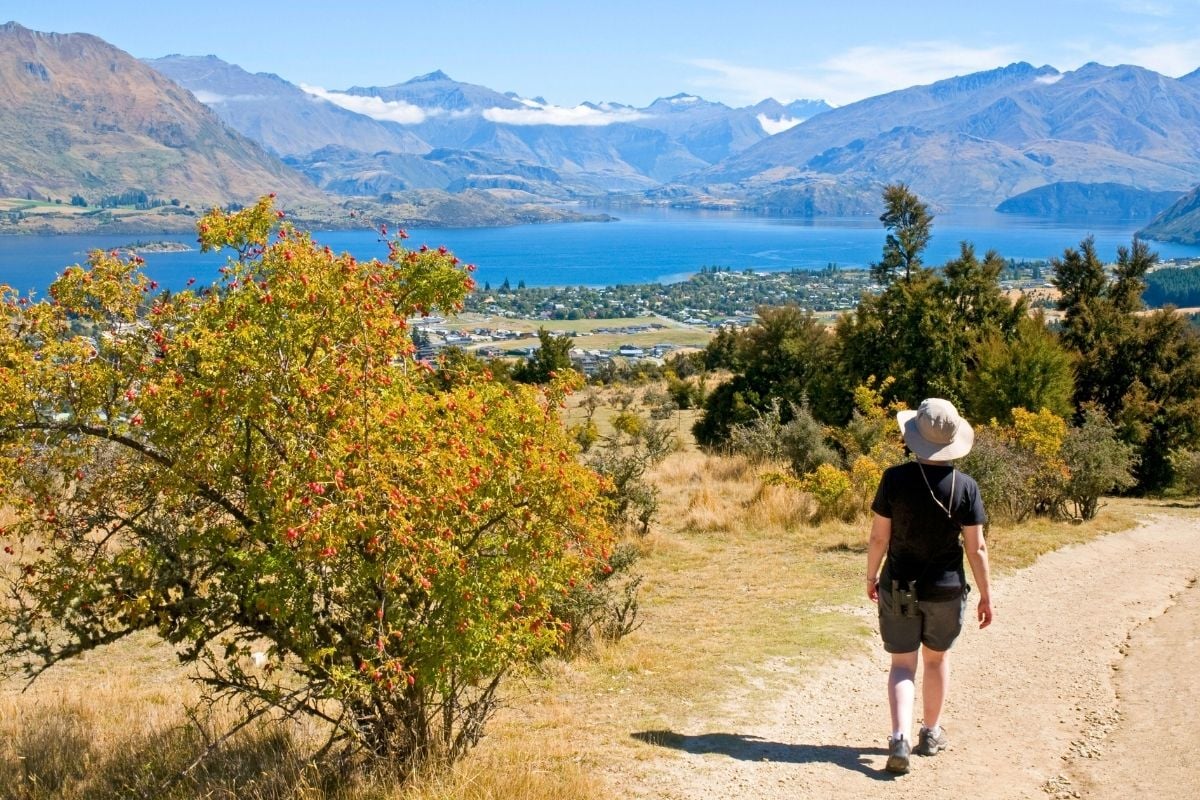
column 647, row 322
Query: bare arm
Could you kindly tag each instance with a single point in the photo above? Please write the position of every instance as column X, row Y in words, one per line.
column 977, row 557
column 881, row 535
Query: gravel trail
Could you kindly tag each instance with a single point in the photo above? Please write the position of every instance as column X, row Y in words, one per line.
column 1084, row 686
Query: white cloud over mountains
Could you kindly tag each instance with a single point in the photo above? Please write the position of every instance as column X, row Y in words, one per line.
column 869, row 70
column 853, row 74
column 212, row 98
column 533, row 112
column 773, row 126
column 373, row 107
column 1169, row 57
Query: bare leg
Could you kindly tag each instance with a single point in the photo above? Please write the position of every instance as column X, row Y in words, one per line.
column 934, row 683
column 901, row 691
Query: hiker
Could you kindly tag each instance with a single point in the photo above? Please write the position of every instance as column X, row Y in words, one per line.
column 921, row 509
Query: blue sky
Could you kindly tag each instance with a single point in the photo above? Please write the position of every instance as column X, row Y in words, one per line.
column 632, row 52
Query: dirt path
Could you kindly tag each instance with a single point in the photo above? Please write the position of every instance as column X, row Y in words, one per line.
column 1084, row 686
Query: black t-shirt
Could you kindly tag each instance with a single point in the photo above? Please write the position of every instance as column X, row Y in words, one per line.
column 925, row 546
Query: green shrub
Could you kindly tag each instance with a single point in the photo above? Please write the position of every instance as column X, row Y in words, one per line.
column 1006, row 475
column 800, row 440
column 833, row 491
column 604, row 608
column 1186, row 464
column 1098, row 461
column 623, row 458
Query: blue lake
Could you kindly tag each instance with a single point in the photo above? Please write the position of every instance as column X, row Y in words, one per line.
column 643, row 246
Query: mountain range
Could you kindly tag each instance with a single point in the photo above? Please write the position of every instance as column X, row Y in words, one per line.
column 456, row 135
column 82, row 118
column 78, row 116
column 92, row 138
column 982, row 138
column 1097, row 140
column 1179, row 223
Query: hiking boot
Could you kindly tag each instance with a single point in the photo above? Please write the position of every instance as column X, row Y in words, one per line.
column 929, row 744
column 898, row 750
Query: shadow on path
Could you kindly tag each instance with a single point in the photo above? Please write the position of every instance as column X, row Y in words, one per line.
column 744, row 747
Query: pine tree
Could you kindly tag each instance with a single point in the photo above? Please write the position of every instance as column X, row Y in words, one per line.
column 908, row 223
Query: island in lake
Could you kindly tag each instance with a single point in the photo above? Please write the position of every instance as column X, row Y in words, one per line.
column 163, row 246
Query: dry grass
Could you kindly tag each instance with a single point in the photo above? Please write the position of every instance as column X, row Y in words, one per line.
column 583, row 331
column 114, row 726
column 740, row 599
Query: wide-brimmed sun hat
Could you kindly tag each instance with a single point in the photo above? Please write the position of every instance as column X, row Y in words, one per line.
column 935, row 431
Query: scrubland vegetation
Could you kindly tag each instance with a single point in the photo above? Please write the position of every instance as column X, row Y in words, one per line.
column 741, row 593
column 254, row 549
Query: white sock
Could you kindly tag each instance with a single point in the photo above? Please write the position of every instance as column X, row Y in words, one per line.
column 897, row 736
column 934, row 731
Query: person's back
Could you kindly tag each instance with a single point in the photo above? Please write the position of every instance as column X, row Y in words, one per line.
column 921, row 509
column 929, row 505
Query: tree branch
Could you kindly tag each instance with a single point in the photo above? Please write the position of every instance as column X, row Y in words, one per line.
column 202, row 488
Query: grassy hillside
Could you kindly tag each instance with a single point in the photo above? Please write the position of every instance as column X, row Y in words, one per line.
column 1179, row 223
column 79, row 116
column 741, row 596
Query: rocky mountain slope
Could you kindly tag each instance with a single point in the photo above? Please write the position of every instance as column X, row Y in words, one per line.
column 279, row 115
column 80, row 117
column 1068, row 198
column 459, row 134
column 981, row 138
column 1179, row 223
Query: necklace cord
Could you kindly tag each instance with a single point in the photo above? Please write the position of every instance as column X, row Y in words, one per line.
column 953, row 477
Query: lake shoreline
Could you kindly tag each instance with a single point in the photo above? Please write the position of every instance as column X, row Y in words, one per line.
column 641, row 246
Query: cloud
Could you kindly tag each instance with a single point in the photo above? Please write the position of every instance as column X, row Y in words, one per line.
column 752, row 84
column 532, row 112
column 854, row 74
column 374, row 107
column 212, row 98
column 1048, row 79
column 535, row 113
column 1147, row 8
column 774, row 126
column 1173, row 58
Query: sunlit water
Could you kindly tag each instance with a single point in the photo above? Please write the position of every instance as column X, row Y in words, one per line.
column 642, row 246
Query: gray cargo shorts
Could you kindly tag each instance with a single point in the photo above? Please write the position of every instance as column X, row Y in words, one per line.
column 934, row 623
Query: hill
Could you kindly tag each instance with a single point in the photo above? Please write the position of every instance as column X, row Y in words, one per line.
column 432, row 131
column 982, row 138
column 1179, row 223
column 280, row 115
column 348, row 171
column 1069, row 198
column 609, row 145
column 93, row 138
column 81, row 117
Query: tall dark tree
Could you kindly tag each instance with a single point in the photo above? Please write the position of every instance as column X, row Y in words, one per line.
column 553, row 356
column 1161, row 409
column 1099, row 321
column 1142, row 371
column 721, row 352
column 1130, row 277
column 909, row 224
column 924, row 331
column 1081, row 283
column 1031, row 370
column 906, row 333
column 787, row 355
column 972, row 288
